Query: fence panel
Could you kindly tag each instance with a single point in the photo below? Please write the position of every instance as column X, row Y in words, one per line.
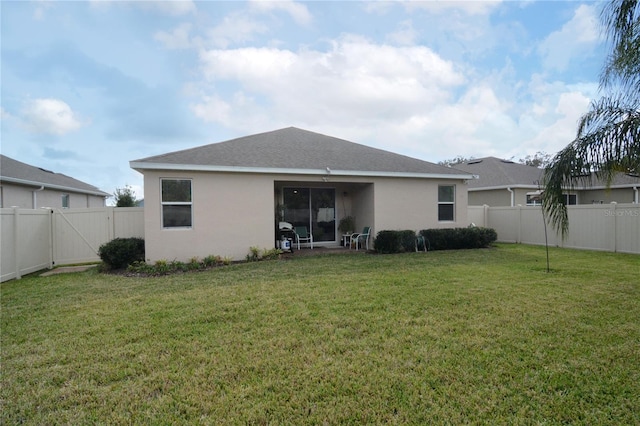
column 32, row 240
column 506, row 222
column 533, row 227
column 589, row 229
column 78, row 234
column 128, row 222
column 26, row 242
column 477, row 215
column 627, row 220
column 607, row 227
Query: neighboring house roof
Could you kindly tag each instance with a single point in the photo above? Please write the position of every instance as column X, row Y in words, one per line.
column 14, row 171
column 296, row 151
column 495, row 173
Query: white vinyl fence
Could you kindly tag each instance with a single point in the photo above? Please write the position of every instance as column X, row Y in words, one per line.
column 606, row 227
column 32, row 240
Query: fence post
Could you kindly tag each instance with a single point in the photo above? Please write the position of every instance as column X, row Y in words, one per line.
column 16, row 241
column 614, row 234
column 519, row 237
column 51, row 237
column 112, row 223
column 485, row 215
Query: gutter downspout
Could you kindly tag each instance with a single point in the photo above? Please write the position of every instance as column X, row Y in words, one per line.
column 635, row 195
column 513, row 196
column 34, row 201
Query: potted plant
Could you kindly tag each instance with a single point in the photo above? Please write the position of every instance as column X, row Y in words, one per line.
column 347, row 225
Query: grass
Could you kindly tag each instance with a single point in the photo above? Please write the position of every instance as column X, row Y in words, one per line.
column 460, row 337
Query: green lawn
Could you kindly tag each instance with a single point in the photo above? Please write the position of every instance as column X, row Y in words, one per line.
column 461, row 337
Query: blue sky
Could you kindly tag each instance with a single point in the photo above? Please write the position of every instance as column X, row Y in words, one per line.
column 89, row 86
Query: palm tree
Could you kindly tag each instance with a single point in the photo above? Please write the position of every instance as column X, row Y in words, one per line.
column 608, row 136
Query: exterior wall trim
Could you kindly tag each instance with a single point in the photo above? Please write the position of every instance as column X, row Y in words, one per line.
column 312, row 172
column 50, row 186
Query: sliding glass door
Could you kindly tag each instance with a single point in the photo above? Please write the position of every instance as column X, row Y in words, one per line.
column 314, row 208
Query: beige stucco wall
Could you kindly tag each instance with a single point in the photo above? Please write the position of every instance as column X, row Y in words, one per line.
column 413, row 204
column 22, row 196
column 499, row 197
column 235, row 211
column 231, row 212
column 596, row 196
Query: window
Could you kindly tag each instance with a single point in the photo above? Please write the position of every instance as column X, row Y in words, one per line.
column 176, row 203
column 534, row 200
column 570, row 199
column 446, row 202
column 65, row 201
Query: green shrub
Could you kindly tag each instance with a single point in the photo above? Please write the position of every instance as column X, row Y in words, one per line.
column 407, row 240
column 395, row 241
column 459, row 238
column 388, row 242
column 122, row 252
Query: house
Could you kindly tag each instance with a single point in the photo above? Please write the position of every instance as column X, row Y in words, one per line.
column 505, row 183
column 501, row 182
column 226, row 197
column 30, row 187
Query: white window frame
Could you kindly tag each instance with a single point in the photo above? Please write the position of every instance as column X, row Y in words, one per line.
column 66, row 201
column 176, row 203
column 447, row 203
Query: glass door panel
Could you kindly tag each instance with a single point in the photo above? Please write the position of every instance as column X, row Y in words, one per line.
column 323, row 214
column 313, row 208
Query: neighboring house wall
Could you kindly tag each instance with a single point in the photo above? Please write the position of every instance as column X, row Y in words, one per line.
column 493, row 197
column 24, row 197
column 499, row 197
column 603, row 196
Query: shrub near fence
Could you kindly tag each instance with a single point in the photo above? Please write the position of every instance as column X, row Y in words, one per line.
column 459, row 238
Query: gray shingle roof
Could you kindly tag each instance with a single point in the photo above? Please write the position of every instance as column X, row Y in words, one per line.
column 293, row 149
column 21, row 173
column 496, row 173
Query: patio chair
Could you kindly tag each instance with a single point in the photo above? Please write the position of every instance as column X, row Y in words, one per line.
column 303, row 235
column 361, row 237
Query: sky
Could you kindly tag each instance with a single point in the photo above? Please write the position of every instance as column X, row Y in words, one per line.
column 87, row 86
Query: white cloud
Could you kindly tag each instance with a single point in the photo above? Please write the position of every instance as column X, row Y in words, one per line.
column 51, row 116
column 468, row 7
column 235, row 28
column 41, row 7
column 405, row 35
column 297, row 11
column 354, row 71
column 171, row 8
column 176, row 39
column 577, row 38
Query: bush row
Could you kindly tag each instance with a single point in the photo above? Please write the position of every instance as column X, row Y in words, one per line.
column 459, row 238
column 395, row 241
column 164, row 267
column 434, row 239
column 128, row 253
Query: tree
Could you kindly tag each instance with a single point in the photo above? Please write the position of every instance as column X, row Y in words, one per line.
column 453, row 161
column 608, row 136
column 125, row 197
column 539, row 159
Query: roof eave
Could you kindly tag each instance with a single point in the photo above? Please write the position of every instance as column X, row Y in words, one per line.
column 51, row 186
column 140, row 166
